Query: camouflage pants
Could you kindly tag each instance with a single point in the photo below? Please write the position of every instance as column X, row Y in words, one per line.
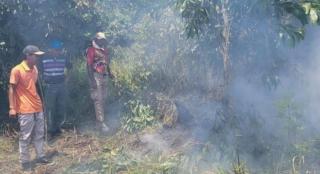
column 98, row 94
column 31, row 129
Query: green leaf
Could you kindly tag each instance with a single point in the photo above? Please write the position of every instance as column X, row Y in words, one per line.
column 313, row 16
column 296, row 10
column 307, row 7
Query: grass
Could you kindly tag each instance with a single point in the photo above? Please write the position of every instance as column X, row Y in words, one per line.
column 68, row 150
column 151, row 151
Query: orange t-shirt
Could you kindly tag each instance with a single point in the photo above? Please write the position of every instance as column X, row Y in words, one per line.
column 24, row 79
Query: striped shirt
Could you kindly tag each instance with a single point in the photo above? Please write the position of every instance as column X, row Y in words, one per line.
column 53, row 69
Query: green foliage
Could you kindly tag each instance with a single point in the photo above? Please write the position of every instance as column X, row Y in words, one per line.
column 195, row 15
column 78, row 107
column 291, row 34
column 312, row 9
column 240, row 168
column 131, row 74
column 292, row 16
column 52, row 19
column 291, row 113
column 303, row 11
column 198, row 13
column 138, row 116
column 117, row 160
column 292, row 136
column 293, row 8
column 34, row 22
column 148, row 53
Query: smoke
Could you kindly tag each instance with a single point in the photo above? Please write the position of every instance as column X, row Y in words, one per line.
column 274, row 94
column 275, row 122
column 274, row 97
column 307, row 84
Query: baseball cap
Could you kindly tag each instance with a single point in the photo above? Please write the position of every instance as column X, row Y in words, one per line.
column 32, row 49
column 56, row 44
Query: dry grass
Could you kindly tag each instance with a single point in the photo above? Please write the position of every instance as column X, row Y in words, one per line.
column 153, row 149
column 72, row 149
column 68, row 149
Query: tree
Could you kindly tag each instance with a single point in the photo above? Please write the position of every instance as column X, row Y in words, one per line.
column 35, row 22
column 220, row 20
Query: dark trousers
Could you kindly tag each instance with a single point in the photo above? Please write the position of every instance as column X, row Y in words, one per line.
column 55, row 103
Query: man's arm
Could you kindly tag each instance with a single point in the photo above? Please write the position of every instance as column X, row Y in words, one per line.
column 12, row 100
column 90, row 58
column 14, row 80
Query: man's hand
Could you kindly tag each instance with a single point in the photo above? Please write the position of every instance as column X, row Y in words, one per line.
column 12, row 113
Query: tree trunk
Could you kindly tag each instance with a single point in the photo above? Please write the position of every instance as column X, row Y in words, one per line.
column 224, row 48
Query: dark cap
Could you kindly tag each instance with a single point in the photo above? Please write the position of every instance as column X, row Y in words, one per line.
column 31, row 49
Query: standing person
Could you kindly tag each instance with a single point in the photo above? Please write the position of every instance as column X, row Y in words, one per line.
column 26, row 104
column 52, row 67
column 98, row 68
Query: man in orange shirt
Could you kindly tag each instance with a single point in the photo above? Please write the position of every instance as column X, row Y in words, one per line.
column 26, row 104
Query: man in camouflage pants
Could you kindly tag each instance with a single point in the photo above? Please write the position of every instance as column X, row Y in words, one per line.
column 98, row 68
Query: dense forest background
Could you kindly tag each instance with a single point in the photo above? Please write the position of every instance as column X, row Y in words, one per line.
column 241, row 76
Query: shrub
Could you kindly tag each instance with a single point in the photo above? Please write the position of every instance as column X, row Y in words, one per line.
column 130, row 72
column 137, row 117
column 79, row 107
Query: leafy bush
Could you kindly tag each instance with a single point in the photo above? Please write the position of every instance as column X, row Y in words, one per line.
column 138, row 116
column 131, row 75
column 78, row 87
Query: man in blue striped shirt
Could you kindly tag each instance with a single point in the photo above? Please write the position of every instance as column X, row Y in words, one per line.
column 52, row 68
